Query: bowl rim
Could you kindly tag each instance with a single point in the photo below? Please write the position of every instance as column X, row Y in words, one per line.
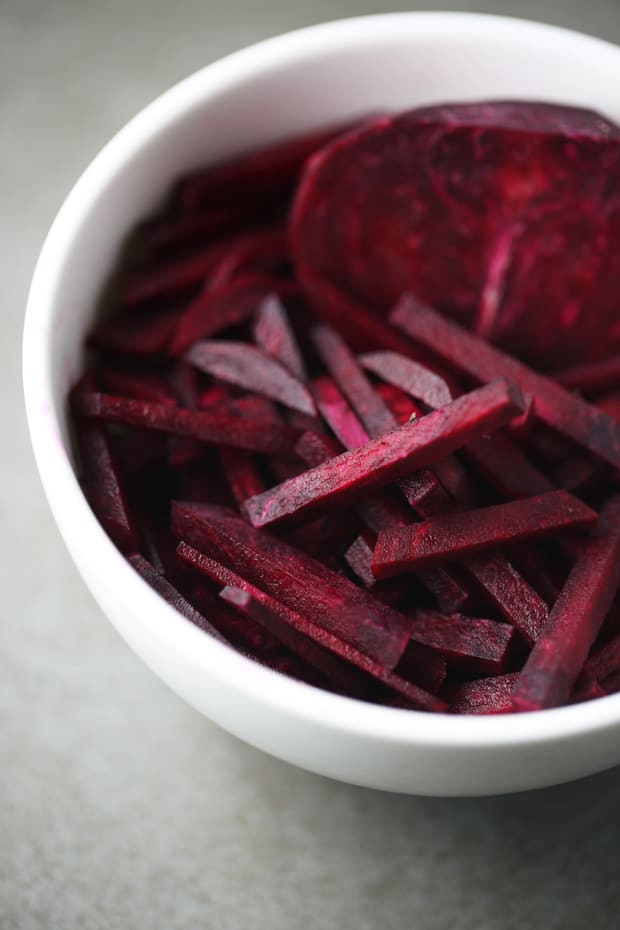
column 73, row 515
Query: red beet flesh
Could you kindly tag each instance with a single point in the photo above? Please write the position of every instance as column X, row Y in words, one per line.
column 341, row 338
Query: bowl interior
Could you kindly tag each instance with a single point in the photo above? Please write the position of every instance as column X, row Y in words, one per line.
column 307, row 79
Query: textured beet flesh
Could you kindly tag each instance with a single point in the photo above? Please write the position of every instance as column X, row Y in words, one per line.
column 405, row 195
column 318, row 428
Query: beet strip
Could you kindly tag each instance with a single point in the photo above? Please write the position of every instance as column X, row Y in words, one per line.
column 388, row 458
column 449, row 536
column 471, row 643
column 337, row 413
column 245, row 366
column 380, row 514
column 241, row 472
column 515, row 599
column 295, row 578
column 483, row 696
column 502, row 463
column 423, row 489
column 225, row 306
column 103, row 483
column 591, row 377
column 274, row 334
column 411, row 377
column 254, row 435
column 333, row 657
column 555, row 406
column 170, row 594
column 560, row 653
column 605, row 661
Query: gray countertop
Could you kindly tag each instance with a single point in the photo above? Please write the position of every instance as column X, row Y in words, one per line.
column 121, row 807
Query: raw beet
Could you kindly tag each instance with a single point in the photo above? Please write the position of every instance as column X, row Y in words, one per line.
column 479, row 211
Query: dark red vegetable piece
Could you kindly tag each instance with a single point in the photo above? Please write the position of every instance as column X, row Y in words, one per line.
column 295, row 578
column 471, row 643
column 145, row 332
column 170, row 233
column 388, row 458
column 218, row 309
column 245, row 366
column 506, row 466
column 163, row 587
column 611, row 405
column 337, row 413
column 558, row 656
column 605, row 660
column 591, row 378
column 380, row 513
column 261, row 251
column 449, row 536
column 410, row 376
column 568, row 414
column 260, row 609
column 259, row 175
column 421, row 490
column 404, row 196
column 141, row 385
column 482, row 696
column 103, row 483
column 254, row 435
column 242, row 473
column 274, row 334
column 510, row 593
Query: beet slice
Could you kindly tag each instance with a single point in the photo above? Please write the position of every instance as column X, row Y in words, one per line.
column 449, row 536
column 558, row 656
column 348, row 476
column 482, row 696
column 411, row 377
column 299, row 581
column 404, row 195
column 143, row 385
column 241, row 472
column 261, row 251
column 611, row 405
column 568, row 414
column 163, row 587
column 247, row 367
column 470, row 643
column 218, row 309
column 254, row 435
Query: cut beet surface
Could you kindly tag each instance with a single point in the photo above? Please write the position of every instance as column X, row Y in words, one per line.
column 409, row 376
column 254, row 435
column 554, row 663
column 555, row 406
column 470, row 643
column 404, row 196
column 381, row 461
column 336, row 659
column 450, row 536
column 228, row 305
column 274, row 334
column 482, row 696
column 423, row 489
column 247, row 367
column 298, row 580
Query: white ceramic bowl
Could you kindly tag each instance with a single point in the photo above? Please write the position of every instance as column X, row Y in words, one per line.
column 295, row 82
